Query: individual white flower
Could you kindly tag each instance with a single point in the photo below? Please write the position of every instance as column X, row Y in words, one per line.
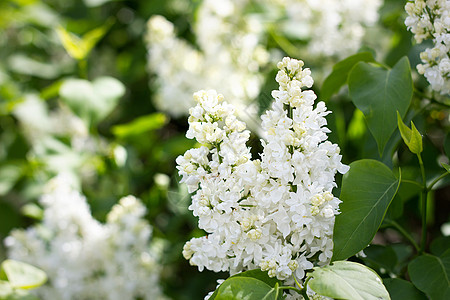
column 83, row 258
column 430, row 19
column 274, row 213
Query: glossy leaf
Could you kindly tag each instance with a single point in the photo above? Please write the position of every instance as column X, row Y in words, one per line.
column 347, row 280
column 22, row 275
column 338, row 76
column 245, row 288
column 431, row 275
column 254, row 274
column 367, row 190
column 411, row 137
column 379, row 93
column 400, row 289
column 381, row 258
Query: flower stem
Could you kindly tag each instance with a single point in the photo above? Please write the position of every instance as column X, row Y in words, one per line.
column 424, row 196
column 82, row 68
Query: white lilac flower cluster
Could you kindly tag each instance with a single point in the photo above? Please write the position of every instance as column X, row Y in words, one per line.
column 430, row 19
column 333, row 27
column 231, row 43
column 228, row 54
column 83, row 258
column 275, row 213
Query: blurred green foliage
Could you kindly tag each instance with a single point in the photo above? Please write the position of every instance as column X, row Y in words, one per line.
column 89, row 57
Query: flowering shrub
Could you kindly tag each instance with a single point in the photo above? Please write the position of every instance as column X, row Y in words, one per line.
column 271, row 207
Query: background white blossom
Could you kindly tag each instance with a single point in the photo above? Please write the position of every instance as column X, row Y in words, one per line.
column 231, row 46
column 229, row 56
column 430, row 20
column 83, row 258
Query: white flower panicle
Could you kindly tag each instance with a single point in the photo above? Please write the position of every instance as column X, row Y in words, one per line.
column 430, row 19
column 83, row 258
column 228, row 53
column 275, row 213
column 333, row 27
column 231, row 38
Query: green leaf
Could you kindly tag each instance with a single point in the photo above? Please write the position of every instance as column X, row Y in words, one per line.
column 32, row 210
column 440, row 245
column 92, row 101
column 140, row 125
column 9, row 174
column 245, row 288
column 260, row 275
column 431, row 274
column 22, row 275
column 380, row 257
column 255, row 274
column 400, row 289
column 379, row 93
column 79, row 48
column 338, row 76
column 347, row 280
column 367, row 190
column 411, row 137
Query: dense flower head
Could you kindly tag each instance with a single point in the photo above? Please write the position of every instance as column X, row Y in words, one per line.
column 83, row 258
column 430, row 19
column 277, row 212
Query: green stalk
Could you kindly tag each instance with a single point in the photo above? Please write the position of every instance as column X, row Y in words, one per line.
column 82, row 68
column 424, row 196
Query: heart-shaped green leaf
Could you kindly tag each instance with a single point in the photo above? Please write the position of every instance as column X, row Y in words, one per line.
column 347, row 280
column 94, row 100
column 379, row 93
column 431, row 274
column 338, row 76
column 367, row 190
